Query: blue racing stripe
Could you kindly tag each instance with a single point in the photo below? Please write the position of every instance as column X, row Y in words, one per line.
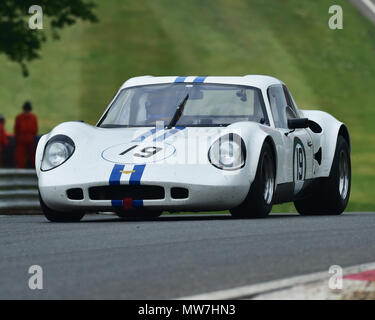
column 137, row 203
column 168, row 134
column 145, row 135
column 116, row 173
column 180, row 79
column 199, row 79
column 135, row 177
column 116, row 203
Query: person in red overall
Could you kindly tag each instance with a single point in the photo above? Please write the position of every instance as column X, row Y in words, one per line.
column 25, row 130
column 3, row 138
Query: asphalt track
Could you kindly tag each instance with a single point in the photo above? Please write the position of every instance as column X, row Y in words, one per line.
column 104, row 257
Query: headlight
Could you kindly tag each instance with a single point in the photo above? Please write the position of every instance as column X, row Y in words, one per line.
column 58, row 149
column 228, row 152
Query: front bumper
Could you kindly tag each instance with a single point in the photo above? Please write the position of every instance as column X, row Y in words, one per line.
column 208, row 188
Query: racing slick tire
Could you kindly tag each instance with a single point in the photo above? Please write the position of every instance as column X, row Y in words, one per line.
column 259, row 200
column 330, row 196
column 56, row 216
column 139, row 214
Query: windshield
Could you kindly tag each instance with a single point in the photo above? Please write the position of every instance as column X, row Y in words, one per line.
column 203, row 105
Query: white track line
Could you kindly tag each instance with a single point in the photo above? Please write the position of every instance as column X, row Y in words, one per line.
column 369, row 5
column 256, row 289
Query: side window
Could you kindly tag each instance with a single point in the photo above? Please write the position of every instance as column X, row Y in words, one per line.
column 278, row 103
column 291, row 112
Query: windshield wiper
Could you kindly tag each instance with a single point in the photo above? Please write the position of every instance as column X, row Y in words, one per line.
column 177, row 115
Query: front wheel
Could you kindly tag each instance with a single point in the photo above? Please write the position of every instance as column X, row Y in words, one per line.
column 258, row 203
column 57, row 216
column 330, row 195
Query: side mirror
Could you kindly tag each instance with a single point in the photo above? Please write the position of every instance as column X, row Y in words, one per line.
column 302, row 123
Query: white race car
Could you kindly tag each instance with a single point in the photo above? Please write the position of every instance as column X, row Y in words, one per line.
column 196, row 144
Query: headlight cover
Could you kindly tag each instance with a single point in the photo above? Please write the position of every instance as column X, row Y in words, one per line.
column 57, row 151
column 228, row 152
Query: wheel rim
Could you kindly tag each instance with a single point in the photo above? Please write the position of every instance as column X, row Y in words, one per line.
column 343, row 175
column 268, row 178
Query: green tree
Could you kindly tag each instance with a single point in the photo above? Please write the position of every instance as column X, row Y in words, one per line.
column 21, row 44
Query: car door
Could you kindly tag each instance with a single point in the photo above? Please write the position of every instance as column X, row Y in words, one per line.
column 297, row 151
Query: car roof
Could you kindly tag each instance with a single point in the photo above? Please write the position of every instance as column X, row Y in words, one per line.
column 258, row 81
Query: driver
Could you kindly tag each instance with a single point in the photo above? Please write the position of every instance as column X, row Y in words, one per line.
column 156, row 110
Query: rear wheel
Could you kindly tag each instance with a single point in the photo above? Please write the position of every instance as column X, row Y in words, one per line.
column 57, row 216
column 330, row 195
column 258, row 203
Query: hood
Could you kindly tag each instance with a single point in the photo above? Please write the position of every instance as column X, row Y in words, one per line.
column 144, row 145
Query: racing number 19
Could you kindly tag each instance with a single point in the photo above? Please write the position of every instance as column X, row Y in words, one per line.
column 144, row 153
column 300, row 160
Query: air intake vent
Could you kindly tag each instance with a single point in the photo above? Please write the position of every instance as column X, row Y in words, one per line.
column 318, row 156
column 179, row 193
column 75, row 194
column 126, row 191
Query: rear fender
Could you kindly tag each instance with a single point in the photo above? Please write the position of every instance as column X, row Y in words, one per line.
column 331, row 128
